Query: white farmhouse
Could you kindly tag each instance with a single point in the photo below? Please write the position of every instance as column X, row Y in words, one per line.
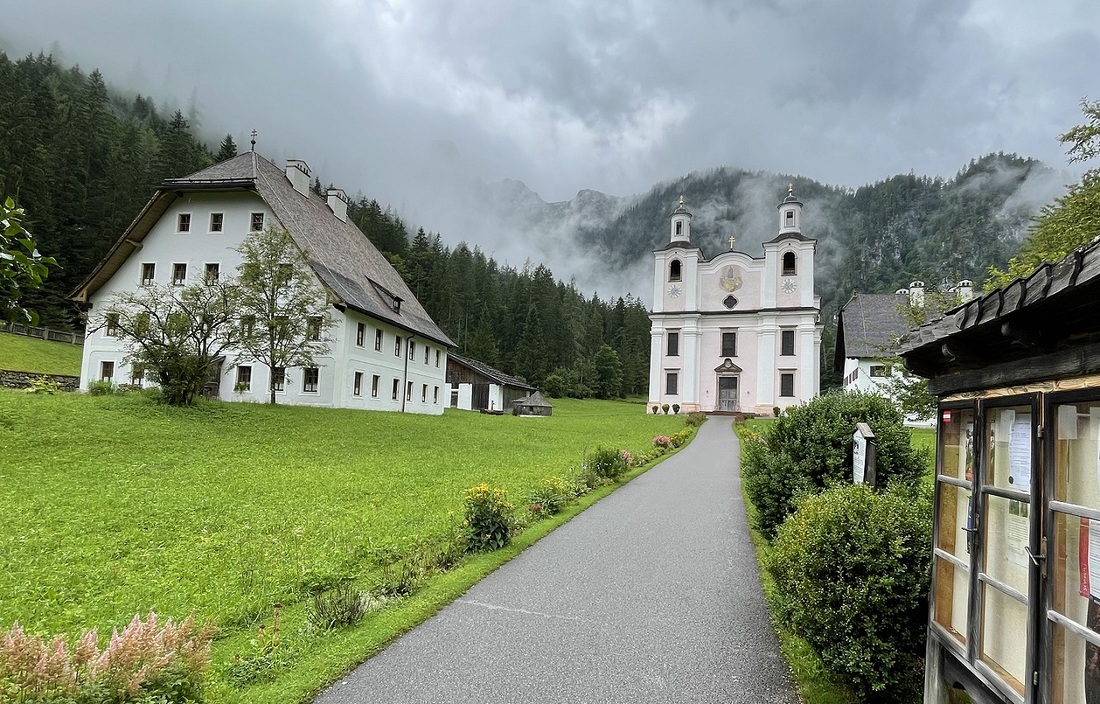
column 386, row 353
column 735, row 333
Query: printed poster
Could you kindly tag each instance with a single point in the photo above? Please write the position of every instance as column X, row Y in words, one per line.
column 1088, row 555
column 1019, row 452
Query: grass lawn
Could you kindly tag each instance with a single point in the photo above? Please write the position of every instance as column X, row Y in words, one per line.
column 116, row 505
column 27, row 354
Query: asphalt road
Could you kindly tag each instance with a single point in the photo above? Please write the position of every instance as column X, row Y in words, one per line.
column 651, row 595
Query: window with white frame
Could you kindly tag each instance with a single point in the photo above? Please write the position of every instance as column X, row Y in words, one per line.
column 435, row 396
column 213, row 272
column 378, row 340
column 396, row 387
column 137, row 375
column 673, row 343
column 729, row 344
column 183, row 222
column 357, row 384
column 360, row 333
column 424, row 393
column 112, row 325
column 217, row 222
column 313, row 328
column 106, row 371
column 786, row 384
column 412, row 348
column 374, row 385
column 278, row 378
column 409, row 391
column 672, row 383
column 256, row 222
column 179, row 274
column 786, row 346
column 427, row 353
column 396, row 345
column 148, row 273
column 244, row 379
column 437, row 358
column 311, row 376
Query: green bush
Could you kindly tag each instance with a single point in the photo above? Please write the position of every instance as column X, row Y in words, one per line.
column 695, row 418
column 489, row 524
column 552, row 494
column 102, row 388
column 554, row 385
column 607, row 463
column 852, row 570
column 810, row 446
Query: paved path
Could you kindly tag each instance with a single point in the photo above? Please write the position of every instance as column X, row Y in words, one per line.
column 650, row 595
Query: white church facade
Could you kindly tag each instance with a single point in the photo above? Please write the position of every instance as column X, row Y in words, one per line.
column 735, row 333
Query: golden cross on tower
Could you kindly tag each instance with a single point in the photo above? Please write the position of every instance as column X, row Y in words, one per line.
column 732, row 240
column 790, row 190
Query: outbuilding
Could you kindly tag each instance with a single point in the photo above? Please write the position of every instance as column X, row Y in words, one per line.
column 1015, row 599
column 533, row 405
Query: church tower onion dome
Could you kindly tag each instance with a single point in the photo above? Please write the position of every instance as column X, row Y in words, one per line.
column 681, row 225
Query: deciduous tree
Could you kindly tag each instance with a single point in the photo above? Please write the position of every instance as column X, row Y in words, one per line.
column 22, row 267
column 177, row 335
column 285, row 316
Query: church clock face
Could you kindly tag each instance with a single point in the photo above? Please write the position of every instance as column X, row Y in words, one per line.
column 674, row 291
column 788, row 285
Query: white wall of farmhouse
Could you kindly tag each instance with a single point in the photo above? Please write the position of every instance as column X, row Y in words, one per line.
column 369, row 367
column 734, row 332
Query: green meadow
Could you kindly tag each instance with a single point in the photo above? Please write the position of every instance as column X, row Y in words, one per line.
column 27, row 354
column 115, row 505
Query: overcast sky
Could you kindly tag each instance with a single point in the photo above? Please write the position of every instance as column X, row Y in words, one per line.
column 393, row 98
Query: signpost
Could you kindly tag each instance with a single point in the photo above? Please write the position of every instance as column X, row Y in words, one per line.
column 863, row 455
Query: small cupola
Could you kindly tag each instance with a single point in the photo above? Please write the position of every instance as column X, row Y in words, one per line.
column 681, row 224
column 790, row 213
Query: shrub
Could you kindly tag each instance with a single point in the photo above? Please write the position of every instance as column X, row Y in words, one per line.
column 695, row 418
column 606, row 463
column 776, row 411
column 808, row 447
column 676, row 408
column 43, row 385
column 665, row 407
column 489, row 524
column 554, row 385
column 852, row 572
column 147, row 661
column 101, row 387
column 662, row 442
column 656, row 409
column 267, row 658
column 679, row 437
column 333, row 608
column 551, row 496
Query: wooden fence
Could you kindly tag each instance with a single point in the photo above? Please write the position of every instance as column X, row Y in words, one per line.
column 73, row 338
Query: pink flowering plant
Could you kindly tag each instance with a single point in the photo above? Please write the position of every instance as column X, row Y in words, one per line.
column 662, row 441
column 147, row 661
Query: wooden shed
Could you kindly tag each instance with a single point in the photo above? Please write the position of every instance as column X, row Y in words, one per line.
column 533, row 405
column 475, row 386
column 1015, row 600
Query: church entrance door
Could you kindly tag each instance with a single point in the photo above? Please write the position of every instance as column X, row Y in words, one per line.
column 727, row 393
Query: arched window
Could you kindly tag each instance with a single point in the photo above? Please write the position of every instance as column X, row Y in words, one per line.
column 674, row 270
column 788, row 264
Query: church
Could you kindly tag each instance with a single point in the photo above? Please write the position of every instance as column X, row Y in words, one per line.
column 735, row 333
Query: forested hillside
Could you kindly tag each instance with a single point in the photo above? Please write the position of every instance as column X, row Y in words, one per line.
column 83, row 160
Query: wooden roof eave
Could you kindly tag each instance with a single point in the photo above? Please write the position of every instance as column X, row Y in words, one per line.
column 130, row 241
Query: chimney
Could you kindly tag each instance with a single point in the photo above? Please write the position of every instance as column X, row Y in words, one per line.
column 338, row 203
column 916, row 294
column 297, row 172
column 966, row 290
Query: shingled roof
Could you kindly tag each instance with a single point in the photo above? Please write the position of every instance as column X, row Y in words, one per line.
column 869, row 325
column 494, row 374
column 350, row 267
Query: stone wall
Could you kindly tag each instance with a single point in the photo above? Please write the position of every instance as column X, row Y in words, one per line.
column 23, row 380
